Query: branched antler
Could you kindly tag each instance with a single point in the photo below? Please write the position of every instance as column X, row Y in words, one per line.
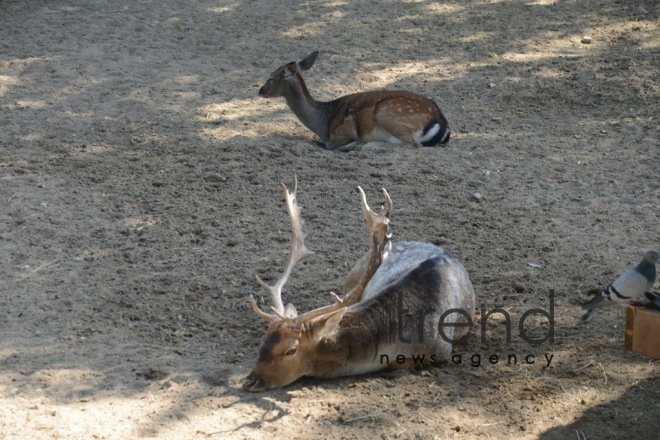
column 380, row 242
column 380, row 245
column 298, row 251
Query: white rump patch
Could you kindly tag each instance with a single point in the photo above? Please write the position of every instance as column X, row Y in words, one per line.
column 429, row 134
column 444, row 137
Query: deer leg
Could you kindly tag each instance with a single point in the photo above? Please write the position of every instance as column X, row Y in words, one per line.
column 409, row 362
column 351, row 146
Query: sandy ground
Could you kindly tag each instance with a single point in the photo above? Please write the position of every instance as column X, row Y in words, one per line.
column 139, row 194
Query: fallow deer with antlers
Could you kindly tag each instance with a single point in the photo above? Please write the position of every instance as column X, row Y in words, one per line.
column 391, row 116
column 404, row 305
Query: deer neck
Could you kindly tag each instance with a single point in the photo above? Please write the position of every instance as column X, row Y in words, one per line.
column 355, row 343
column 313, row 114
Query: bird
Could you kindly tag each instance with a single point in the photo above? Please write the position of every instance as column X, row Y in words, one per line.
column 630, row 285
column 655, row 299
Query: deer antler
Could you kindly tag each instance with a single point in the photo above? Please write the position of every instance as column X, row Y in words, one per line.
column 380, row 247
column 380, row 243
column 298, row 251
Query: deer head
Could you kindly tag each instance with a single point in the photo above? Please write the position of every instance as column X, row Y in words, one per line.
column 287, row 78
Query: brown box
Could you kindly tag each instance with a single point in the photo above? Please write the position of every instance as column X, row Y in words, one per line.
column 643, row 331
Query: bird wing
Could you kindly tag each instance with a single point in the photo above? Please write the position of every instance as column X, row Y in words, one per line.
column 629, row 285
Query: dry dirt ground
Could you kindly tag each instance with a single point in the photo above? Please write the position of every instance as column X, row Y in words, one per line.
column 139, row 194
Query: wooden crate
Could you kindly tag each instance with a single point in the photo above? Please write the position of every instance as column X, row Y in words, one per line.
column 643, row 331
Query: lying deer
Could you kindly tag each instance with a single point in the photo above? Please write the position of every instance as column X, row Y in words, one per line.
column 406, row 303
column 385, row 116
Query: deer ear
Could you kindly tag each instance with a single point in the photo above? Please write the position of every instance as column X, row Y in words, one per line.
column 324, row 325
column 290, row 311
column 308, row 61
column 289, row 70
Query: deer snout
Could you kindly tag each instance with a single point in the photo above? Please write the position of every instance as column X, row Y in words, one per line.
column 253, row 382
column 265, row 91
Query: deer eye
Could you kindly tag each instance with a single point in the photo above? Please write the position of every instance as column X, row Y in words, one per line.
column 291, row 352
